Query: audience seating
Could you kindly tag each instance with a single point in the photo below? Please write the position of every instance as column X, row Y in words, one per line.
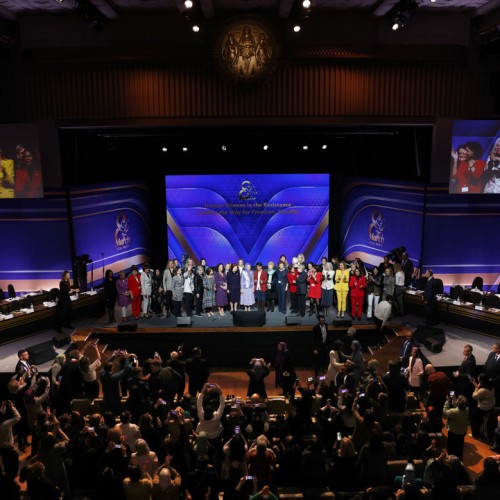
column 82, row 406
column 457, row 292
column 397, row 468
column 277, row 405
column 289, row 493
column 11, row 291
column 476, row 297
column 478, row 283
column 15, row 305
column 492, row 301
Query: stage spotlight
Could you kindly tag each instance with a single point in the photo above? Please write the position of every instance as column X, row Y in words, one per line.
column 224, row 148
column 188, row 4
column 306, row 4
column 195, row 28
column 324, row 146
column 184, row 149
column 296, row 28
column 59, row 1
column 396, row 25
column 305, row 147
column 164, row 149
column 265, row 147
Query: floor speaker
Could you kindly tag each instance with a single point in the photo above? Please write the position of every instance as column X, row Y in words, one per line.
column 61, row 339
column 127, row 327
column 293, row 320
column 184, row 321
column 249, row 318
column 41, row 353
column 423, row 332
column 434, row 344
column 344, row 323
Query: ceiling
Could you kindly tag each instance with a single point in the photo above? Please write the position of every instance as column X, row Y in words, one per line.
column 11, row 9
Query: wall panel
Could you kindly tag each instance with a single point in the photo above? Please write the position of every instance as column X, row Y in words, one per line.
column 338, row 88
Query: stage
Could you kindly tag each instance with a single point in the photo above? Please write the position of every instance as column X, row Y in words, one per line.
column 225, row 345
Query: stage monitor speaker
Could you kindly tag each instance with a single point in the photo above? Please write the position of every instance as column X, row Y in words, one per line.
column 184, row 321
column 434, row 344
column 293, row 320
column 249, row 318
column 423, row 332
column 345, row 323
column 61, row 339
column 41, row 353
column 127, row 327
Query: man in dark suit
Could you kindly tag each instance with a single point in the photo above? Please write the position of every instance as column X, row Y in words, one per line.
column 23, row 364
column 430, row 298
column 301, row 293
column 465, row 372
column 179, row 366
column 320, row 343
column 492, row 369
column 406, row 347
column 407, row 267
column 198, row 371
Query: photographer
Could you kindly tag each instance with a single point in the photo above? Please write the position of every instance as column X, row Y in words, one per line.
column 456, row 413
column 9, row 417
column 110, row 381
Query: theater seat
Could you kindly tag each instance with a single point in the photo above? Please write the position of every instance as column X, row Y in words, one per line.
column 277, row 405
column 475, row 297
column 2, row 294
column 478, row 283
column 14, row 306
column 12, row 292
column 457, row 292
column 82, row 406
column 492, row 301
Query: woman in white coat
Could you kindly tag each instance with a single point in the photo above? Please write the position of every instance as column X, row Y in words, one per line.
column 415, row 371
column 335, row 365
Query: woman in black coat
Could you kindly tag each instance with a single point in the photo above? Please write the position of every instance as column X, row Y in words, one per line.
column 64, row 306
column 110, row 295
column 284, row 370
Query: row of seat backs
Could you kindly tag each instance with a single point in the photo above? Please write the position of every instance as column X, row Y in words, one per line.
column 10, row 291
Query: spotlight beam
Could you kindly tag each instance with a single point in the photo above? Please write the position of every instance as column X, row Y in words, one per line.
column 105, row 8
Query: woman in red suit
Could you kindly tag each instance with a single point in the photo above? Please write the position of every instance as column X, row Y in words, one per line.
column 314, row 280
column 357, row 284
column 260, row 286
column 292, row 288
column 134, row 286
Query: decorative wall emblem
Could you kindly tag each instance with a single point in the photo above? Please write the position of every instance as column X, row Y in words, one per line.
column 247, row 51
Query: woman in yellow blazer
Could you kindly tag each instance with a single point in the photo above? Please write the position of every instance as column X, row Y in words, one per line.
column 342, row 289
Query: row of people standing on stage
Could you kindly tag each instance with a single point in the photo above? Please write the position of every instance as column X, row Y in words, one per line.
column 201, row 288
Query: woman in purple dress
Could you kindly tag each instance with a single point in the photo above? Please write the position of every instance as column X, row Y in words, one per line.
column 221, row 289
column 233, row 286
column 123, row 298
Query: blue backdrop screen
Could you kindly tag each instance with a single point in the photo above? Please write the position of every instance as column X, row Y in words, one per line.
column 461, row 240
column 111, row 225
column 256, row 217
column 36, row 250
column 379, row 216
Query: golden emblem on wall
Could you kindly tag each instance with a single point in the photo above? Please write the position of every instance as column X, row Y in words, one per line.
column 247, row 50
